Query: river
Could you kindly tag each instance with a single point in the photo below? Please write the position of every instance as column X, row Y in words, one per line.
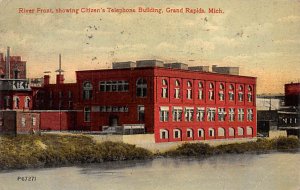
column 276, row 171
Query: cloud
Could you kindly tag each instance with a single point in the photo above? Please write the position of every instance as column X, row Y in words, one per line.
column 291, row 18
column 199, row 44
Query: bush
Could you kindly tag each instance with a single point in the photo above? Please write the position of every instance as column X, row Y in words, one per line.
column 26, row 151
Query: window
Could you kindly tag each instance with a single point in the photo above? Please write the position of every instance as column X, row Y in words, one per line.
column 7, row 101
column 60, row 94
column 87, row 91
column 241, row 94
column 141, row 113
column 189, row 133
column 200, row 133
column 70, row 104
column 249, row 130
column 231, row 114
column 33, row 121
column 249, row 95
column 211, row 93
column 108, row 86
column 189, row 90
column 141, row 87
column 221, row 92
column 164, row 134
column 26, row 102
column 231, row 132
column 23, row 122
column 221, row 132
column 211, row 114
column 164, row 114
column 177, row 114
column 16, row 102
column 188, row 114
column 87, row 114
column 200, row 91
column 250, row 114
column 177, row 89
column 176, row 133
column 69, row 94
column 221, row 114
column 231, row 92
column 200, row 114
column 240, row 131
column 241, row 114
column 50, row 94
column 114, row 86
column 164, row 90
column 211, row 132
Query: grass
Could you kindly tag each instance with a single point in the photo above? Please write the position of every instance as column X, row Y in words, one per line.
column 259, row 146
column 29, row 151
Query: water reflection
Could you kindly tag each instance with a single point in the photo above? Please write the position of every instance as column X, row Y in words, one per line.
column 241, row 171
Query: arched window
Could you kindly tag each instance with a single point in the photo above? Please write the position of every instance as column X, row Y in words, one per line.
column 141, row 87
column 211, row 132
column 164, row 89
column 177, row 89
column 164, row 134
column 16, row 102
column 240, row 131
column 221, row 132
column 200, row 133
column 211, row 92
column 189, row 90
column 231, row 132
column 231, row 92
column 87, row 90
column 249, row 95
column 249, row 130
column 26, row 102
column 189, row 133
column 200, row 91
column 176, row 133
column 241, row 94
column 221, row 92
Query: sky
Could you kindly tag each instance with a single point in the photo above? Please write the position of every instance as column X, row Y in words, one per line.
column 261, row 37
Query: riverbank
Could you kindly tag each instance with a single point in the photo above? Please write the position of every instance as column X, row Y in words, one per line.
column 31, row 151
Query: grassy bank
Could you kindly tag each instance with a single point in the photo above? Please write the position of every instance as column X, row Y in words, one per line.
column 259, row 146
column 29, row 151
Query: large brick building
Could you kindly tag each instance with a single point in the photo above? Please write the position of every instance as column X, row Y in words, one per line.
column 174, row 104
column 172, row 101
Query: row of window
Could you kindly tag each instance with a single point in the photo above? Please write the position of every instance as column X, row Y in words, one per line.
column 221, row 132
column 61, row 94
column 110, row 109
column 141, row 90
column 211, row 91
column 23, row 121
column 16, row 102
column 210, row 114
column 114, row 86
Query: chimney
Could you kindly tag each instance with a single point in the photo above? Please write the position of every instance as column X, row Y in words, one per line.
column 59, row 77
column 46, row 80
column 7, row 66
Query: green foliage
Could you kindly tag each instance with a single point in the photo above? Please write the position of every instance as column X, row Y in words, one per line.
column 27, row 151
column 260, row 146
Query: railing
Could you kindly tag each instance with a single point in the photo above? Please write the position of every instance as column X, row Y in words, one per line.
column 14, row 84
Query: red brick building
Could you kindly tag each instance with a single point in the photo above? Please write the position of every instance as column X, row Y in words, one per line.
column 174, row 104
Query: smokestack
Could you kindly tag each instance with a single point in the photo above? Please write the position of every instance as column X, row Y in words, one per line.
column 59, row 77
column 7, row 69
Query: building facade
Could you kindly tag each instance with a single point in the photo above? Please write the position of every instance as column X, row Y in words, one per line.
column 174, row 104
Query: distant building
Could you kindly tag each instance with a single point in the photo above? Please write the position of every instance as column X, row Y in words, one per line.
column 225, row 70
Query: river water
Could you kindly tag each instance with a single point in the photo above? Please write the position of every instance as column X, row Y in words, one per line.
column 276, row 171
